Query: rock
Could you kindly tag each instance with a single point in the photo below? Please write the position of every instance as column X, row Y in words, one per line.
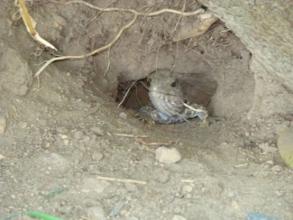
column 266, row 148
column 123, row 115
column 16, row 75
column 98, row 131
column 96, row 213
column 3, row 124
column 78, row 135
column 277, row 169
column 97, row 156
column 271, row 55
column 178, row 217
column 285, row 145
column 187, row 189
column 1, row 157
column 167, row 155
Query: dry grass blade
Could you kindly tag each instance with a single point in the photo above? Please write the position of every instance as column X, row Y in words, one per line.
column 111, row 179
column 30, row 25
column 126, row 94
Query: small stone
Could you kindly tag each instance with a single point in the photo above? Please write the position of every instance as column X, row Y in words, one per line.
column 123, row 115
column 178, row 217
column 97, row 156
column 266, row 148
column 66, row 142
column 63, row 136
column 167, row 155
column 277, row 169
column 285, row 145
column 1, row 157
column 78, row 135
column 133, row 218
column 187, row 189
column 3, row 124
column 98, row 131
column 23, row 124
column 96, row 213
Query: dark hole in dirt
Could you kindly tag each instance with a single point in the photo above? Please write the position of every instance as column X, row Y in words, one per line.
column 133, row 94
column 197, row 88
column 213, row 69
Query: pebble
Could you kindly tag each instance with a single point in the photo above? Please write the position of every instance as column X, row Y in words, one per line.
column 277, row 169
column 3, row 124
column 187, row 189
column 96, row 212
column 285, row 145
column 123, row 115
column 178, row 217
column 98, row 131
column 78, row 135
column 1, row 157
column 167, row 155
column 97, row 156
column 266, row 148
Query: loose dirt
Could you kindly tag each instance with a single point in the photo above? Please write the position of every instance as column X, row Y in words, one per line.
column 67, row 150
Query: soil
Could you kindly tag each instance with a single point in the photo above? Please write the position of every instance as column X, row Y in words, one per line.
column 63, row 134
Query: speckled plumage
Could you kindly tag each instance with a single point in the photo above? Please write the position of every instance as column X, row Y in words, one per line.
column 166, row 95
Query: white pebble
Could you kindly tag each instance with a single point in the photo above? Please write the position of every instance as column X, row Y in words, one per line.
column 2, row 124
column 187, row 189
column 167, row 155
column 123, row 115
column 98, row 131
column 178, row 217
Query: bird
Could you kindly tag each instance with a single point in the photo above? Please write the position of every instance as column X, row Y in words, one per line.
column 167, row 98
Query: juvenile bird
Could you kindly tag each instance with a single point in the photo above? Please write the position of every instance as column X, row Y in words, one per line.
column 166, row 95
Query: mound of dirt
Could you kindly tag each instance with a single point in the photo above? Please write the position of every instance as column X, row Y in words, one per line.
column 67, row 150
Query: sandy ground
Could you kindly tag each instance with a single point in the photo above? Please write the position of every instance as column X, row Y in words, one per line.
column 65, row 135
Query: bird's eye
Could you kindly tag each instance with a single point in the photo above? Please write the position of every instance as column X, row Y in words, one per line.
column 174, row 84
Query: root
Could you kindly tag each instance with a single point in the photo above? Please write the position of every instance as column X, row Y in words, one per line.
column 116, row 38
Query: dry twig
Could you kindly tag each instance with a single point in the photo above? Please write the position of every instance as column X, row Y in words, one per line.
column 130, row 135
column 122, row 180
column 141, row 141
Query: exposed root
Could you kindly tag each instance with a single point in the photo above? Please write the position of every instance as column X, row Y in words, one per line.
column 94, row 52
column 116, row 38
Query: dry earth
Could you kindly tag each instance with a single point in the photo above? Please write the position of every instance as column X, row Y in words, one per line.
column 63, row 134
